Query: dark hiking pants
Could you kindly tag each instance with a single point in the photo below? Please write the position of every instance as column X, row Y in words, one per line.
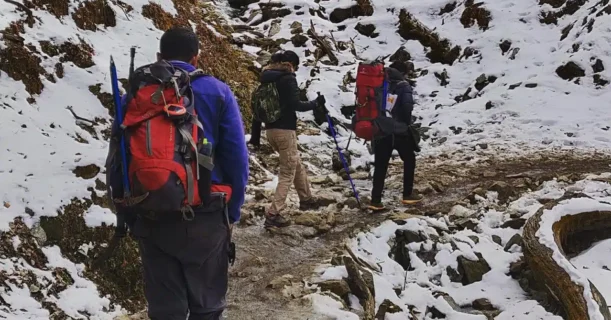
column 185, row 263
column 383, row 149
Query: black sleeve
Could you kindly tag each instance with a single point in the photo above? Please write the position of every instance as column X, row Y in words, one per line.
column 407, row 104
column 292, row 94
column 255, row 132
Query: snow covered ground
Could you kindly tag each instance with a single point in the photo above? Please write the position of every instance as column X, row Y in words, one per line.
column 419, row 289
column 42, row 144
column 554, row 114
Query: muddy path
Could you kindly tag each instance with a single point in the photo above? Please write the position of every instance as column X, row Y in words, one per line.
column 257, row 290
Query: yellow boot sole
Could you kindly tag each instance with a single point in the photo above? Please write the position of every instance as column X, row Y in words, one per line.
column 408, row 202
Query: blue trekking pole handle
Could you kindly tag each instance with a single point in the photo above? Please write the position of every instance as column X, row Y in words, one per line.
column 119, row 120
column 343, row 160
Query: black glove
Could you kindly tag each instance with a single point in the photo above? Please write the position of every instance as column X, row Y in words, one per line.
column 320, row 100
column 320, row 104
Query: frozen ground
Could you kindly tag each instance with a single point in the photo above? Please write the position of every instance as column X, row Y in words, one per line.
column 42, row 143
column 419, row 289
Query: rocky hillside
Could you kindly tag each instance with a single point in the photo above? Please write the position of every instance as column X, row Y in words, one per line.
column 493, row 82
column 56, row 108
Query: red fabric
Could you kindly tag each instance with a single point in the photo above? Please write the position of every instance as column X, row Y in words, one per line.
column 152, row 164
column 369, row 79
column 224, row 188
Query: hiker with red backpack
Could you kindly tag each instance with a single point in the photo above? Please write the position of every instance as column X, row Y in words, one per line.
column 383, row 116
column 177, row 171
column 276, row 103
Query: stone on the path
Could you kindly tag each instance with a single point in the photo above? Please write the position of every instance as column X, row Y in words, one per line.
column 504, row 190
column 400, row 217
column 338, row 287
column 336, row 162
column 482, row 304
column 351, row 203
column 514, row 223
column 368, row 278
column 496, row 239
column 475, row 239
column 280, row 282
column 466, row 223
column 489, row 174
column 459, row 211
column 472, row 271
column 516, row 239
column 386, row 307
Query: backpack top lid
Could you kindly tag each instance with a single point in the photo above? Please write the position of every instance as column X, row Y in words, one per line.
column 152, row 87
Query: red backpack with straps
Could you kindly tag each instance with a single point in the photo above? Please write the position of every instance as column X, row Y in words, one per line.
column 163, row 142
column 370, row 99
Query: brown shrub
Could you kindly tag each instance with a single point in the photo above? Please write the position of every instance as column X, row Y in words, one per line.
column 360, row 9
column 90, row 14
column 441, row 50
column 476, row 13
column 80, row 54
column 120, row 275
column 218, row 57
column 58, row 8
column 161, row 19
column 19, row 62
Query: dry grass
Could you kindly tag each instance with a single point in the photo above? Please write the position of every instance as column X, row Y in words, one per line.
column 90, row 14
column 19, row 61
column 58, row 8
column 80, row 54
column 120, row 275
column 475, row 13
column 218, row 57
column 441, row 50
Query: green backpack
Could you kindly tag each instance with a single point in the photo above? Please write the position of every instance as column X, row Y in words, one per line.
column 266, row 103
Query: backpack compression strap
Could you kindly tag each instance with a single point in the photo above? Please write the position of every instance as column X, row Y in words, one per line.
column 200, row 159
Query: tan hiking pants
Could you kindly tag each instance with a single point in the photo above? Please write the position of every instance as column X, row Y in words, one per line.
column 292, row 170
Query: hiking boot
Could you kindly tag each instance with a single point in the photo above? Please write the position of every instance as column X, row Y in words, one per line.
column 276, row 221
column 309, row 204
column 412, row 199
column 376, row 206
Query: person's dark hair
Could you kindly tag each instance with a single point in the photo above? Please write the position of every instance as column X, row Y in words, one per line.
column 179, row 43
column 276, row 57
column 291, row 57
column 399, row 66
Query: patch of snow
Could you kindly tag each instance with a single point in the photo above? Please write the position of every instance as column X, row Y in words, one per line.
column 416, row 288
column 546, row 237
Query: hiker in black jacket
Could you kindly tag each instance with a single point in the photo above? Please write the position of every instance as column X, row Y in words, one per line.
column 399, row 106
column 282, row 136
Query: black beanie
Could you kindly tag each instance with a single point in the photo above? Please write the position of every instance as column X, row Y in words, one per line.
column 399, row 66
column 291, row 57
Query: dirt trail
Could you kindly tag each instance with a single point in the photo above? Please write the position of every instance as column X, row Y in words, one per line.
column 264, row 257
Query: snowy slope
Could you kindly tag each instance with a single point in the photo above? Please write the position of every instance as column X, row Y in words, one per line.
column 424, row 287
column 555, row 114
column 42, row 144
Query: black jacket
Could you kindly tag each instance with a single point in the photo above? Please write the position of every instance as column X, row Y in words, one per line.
column 288, row 90
column 404, row 105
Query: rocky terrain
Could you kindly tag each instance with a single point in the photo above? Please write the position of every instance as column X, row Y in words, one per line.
column 511, row 121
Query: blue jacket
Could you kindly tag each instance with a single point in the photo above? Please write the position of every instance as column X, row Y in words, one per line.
column 219, row 113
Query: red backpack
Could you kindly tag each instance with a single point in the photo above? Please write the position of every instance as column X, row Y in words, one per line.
column 162, row 142
column 370, row 99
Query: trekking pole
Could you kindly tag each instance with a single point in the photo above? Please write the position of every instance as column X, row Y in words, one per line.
column 119, row 119
column 120, row 230
column 132, row 55
column 343, row 160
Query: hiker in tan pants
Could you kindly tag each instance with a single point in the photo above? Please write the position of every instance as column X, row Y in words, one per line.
column 282, row 136
column 292, row 171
